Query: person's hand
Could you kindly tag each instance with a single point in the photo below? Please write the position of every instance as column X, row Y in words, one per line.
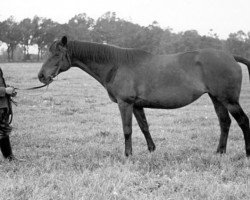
column 11, row 91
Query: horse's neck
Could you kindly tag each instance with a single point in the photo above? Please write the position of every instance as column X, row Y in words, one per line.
column 95, row 70
column 98, row 64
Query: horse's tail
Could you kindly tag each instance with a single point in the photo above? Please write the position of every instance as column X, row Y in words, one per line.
column 244, row 61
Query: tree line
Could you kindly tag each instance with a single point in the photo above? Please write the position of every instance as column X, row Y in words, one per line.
column 111, row 29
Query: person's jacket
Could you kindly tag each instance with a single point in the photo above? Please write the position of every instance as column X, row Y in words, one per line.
column 4, row 98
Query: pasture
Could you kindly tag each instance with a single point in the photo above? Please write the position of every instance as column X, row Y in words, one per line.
column 71, row 138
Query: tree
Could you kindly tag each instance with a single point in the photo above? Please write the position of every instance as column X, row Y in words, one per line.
column 80, row 27
column 238, row 43
column 11, row 35
column 27, row 30
column 44, row 33
column 210, row 42
column 169, row 41
column 106, row 29
column 189, row 41
column 113, row 30
column 127, row 32
column 153, row 38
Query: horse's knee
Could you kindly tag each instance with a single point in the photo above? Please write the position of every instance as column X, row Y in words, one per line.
column 127, row 132
column 225, row 121
column 127, row 136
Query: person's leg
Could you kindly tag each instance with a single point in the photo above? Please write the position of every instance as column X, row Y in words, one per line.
column 5, row 130
column 5, row 147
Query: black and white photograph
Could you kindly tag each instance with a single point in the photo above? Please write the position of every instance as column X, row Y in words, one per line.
column 125, row 100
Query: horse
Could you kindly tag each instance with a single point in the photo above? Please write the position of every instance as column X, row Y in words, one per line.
column 136, row 79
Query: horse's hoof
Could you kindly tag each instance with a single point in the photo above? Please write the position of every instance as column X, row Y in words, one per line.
column 151, row 148
column 248, row 153
column 221, row 151
column 13, row 158
column 128, row 153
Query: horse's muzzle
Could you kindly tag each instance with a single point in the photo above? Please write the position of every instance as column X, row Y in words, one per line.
column 41, row 77
column 44, row 80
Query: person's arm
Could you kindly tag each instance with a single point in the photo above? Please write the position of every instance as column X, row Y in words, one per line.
column 7, row 90
column 2, row 91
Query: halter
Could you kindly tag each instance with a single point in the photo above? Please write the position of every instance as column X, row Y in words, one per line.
column 68, row 59
column 57, row 72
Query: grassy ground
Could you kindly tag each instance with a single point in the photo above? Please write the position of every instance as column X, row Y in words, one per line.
column 71, row 138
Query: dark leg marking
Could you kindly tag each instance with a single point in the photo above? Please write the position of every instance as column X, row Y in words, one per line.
column 126, row 111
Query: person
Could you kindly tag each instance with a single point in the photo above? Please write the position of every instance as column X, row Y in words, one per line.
column 6, row 92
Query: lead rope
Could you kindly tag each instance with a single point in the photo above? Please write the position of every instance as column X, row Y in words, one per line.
column 22, row 89
column 32, row 88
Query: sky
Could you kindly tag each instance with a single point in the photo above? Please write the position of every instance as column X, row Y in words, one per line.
column 222, row 16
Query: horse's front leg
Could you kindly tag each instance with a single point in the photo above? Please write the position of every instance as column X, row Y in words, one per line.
column 126, row 111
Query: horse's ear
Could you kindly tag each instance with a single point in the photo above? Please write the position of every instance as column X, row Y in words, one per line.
column 64, row 40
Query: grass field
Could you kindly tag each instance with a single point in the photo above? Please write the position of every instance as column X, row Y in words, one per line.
column 71, row 138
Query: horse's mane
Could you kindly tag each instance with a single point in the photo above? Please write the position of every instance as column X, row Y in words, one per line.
column 102, row 53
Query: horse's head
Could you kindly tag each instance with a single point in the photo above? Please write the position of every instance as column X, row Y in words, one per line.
column 58, row 61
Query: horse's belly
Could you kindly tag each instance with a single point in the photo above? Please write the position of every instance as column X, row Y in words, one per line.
column 169, row 99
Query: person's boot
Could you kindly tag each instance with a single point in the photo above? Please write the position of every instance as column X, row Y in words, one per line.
column 5, row 147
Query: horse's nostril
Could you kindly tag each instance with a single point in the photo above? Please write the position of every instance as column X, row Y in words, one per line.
column 40, row 76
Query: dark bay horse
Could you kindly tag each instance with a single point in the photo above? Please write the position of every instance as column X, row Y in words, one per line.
column 136, row 79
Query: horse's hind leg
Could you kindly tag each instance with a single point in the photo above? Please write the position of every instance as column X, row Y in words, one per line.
column 142, row 122
column 224, row 121
column 243, row 121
